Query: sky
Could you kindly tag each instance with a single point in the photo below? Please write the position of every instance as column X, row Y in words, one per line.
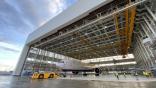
column 18, row 18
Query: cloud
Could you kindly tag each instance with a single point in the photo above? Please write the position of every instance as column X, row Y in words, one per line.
column 10, row 47
column 39, row 11
column 21, row 17
column 12, row 24
column 18, row 18
column 11, row 18
column 9, row 54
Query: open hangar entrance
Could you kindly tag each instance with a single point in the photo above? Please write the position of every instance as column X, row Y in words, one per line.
column 116, row 35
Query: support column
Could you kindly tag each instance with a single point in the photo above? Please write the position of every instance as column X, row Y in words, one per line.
column 22, row 59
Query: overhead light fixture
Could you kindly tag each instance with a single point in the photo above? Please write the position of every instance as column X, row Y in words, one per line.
column 112, row 42
column 86, row 33
column 105, row 27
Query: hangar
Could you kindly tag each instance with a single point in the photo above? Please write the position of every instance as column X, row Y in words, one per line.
column 99, row 33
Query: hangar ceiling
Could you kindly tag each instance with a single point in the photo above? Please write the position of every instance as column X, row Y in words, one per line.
column 107, row 31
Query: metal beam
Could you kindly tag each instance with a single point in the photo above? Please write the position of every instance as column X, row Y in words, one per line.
column 91, row 23
column 131, row 26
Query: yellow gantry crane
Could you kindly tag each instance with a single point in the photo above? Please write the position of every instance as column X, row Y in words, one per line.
column 129, row 15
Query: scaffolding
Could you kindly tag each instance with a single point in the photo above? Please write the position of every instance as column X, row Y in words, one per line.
column 117, row 28
column 41, row 60
column 96, row 33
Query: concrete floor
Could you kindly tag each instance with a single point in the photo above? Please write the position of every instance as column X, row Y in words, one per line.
column 122, row 78
column 18, row 82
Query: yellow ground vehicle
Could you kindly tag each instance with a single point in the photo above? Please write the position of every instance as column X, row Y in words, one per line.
column 45, row 75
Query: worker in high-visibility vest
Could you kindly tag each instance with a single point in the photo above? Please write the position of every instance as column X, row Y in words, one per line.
column 145, row 73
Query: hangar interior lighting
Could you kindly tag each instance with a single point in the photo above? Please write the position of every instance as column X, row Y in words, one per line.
column 119, row 57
